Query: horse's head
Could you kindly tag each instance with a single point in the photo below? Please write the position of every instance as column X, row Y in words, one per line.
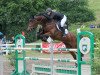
column 34, row 21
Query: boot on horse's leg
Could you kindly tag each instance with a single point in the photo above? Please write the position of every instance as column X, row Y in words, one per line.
column 44, row 37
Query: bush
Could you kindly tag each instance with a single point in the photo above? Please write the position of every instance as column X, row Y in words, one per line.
column 11, row 57
column 96, row 65
column 76, row 10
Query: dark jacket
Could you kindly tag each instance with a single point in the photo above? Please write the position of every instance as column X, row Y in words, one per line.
column 54, row 15
column 57, row 16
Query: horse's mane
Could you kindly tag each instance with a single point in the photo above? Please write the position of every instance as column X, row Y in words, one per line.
column 42, row 14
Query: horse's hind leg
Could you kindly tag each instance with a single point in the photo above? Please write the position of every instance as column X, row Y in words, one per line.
column 73, row 54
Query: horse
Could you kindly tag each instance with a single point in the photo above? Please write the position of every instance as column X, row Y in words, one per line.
column 50, row 29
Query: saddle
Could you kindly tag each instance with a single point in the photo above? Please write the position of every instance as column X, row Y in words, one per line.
column 62, row 29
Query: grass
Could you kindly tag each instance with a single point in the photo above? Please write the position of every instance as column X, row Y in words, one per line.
column 94, row 5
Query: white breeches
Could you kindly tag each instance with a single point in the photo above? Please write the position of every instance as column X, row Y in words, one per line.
column 63, row 21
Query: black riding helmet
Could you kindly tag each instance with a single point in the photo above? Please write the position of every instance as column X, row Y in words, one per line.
column 48, row 10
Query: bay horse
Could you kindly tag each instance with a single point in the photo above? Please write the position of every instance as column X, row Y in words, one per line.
column 50, row 29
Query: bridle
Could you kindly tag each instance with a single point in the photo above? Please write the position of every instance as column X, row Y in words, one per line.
column 36, row 20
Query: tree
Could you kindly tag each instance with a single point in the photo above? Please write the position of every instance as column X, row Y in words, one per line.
column 76, row 10
column 14, row 14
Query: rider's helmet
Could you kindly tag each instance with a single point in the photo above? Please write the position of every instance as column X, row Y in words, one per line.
column 48, row 10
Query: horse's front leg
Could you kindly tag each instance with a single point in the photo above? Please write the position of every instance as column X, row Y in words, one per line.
column 45, row 36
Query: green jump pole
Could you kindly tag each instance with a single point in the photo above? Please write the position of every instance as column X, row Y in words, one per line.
column 79, row 61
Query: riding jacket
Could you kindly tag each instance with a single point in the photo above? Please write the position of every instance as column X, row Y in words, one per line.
column 54, row 15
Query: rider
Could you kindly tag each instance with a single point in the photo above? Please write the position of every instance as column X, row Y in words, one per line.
column 60, row 18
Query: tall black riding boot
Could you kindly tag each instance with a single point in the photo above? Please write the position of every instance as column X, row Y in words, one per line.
column 63, row 31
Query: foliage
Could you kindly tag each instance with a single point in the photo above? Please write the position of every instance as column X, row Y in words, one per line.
column 76, row 10
column 11, row 57
column 96, row 65
column 14, row 14
column 94, row 31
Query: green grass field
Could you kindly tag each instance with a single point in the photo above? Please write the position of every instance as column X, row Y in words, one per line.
column 94, row 5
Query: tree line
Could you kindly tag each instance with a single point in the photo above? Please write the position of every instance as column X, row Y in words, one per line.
column 14, row 14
